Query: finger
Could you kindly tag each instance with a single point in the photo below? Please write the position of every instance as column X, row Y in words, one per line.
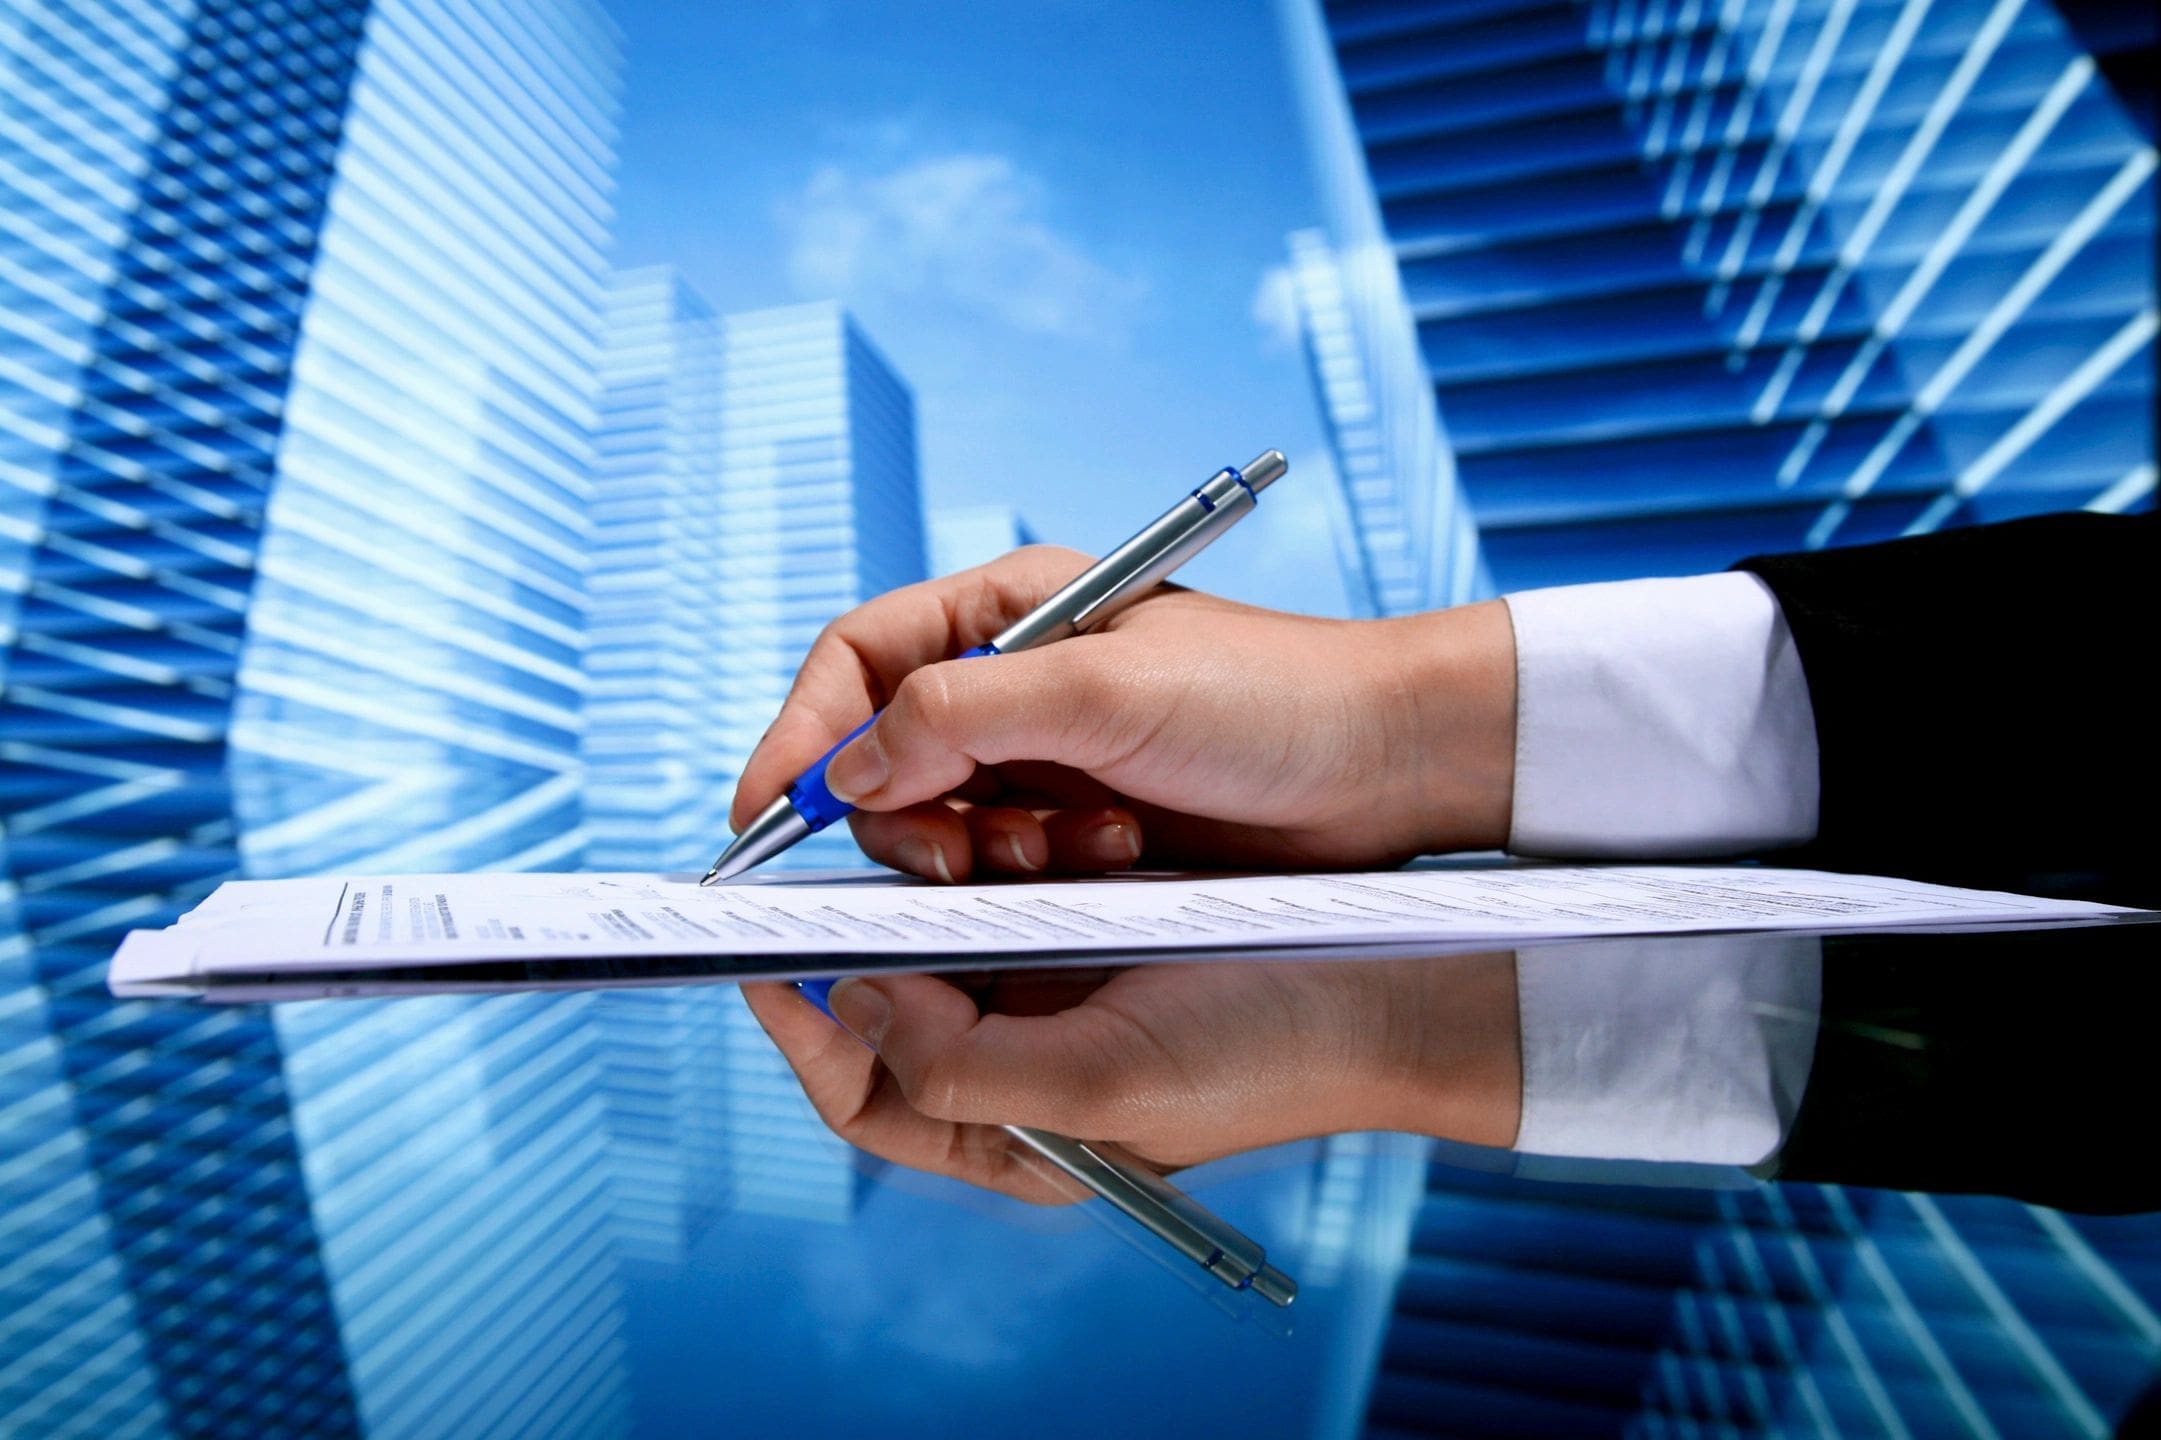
column 930, row 840
column 835, row 1067
column 1083, row 1072
column 939, row 842
column 1007, row 840
column 858, row 1099
column 862, row 657
column 1094, row 841
column 1066, row 704
column 1033, row 785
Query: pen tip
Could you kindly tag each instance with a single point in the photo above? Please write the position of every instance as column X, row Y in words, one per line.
column 1265, row 469
column 710, row 876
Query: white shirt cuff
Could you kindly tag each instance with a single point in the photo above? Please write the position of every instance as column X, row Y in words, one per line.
column 1670, row 1050
column 1660, row 719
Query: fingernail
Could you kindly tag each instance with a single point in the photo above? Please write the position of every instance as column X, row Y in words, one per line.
column 923, row 857
column 1020, row 856
column 1113, row 844
column 857, row 770
column 862, row 1010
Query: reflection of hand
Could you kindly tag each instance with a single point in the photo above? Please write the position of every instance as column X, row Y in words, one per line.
column 1191, row 730
column 1178, row 1063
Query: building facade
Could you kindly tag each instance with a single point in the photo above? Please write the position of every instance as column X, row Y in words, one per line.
column 820, row 509
column 657, row 788
column 963, row 536
column 1692, row 282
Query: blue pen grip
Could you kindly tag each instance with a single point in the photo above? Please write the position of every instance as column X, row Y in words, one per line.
column 820, row 994
column 817, row 993
column 818, row 805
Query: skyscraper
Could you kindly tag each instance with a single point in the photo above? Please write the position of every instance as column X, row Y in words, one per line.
column 821, row 507
column 657, row 786
column 1692, row 281
column 757, row 480
column 965, row 535
column 1405, row 537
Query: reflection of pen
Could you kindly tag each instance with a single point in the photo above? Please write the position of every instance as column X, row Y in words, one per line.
column 1162, row 1207
column 1104, row 589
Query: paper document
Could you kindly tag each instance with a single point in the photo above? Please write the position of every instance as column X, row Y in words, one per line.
column 361, row 923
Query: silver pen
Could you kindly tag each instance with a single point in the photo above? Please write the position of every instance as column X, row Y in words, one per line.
column 1101, row 591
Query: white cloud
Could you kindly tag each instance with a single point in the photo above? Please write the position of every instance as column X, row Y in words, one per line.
column 967, row 229
column 1275, row 308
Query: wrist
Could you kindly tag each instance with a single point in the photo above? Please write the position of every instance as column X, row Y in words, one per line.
column 1448, row 706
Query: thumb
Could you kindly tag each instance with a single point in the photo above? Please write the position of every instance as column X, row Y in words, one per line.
column 1066, row 708
column 1068, row 1072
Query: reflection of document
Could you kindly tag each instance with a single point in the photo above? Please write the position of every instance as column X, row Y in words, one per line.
column 269, row 927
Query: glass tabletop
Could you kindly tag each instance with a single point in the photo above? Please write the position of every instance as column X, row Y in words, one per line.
column 614, row 1212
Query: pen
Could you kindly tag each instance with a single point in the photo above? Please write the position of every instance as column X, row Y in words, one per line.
column 1166, row 1211
column 1102, row 590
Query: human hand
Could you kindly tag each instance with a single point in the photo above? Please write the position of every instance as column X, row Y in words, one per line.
column 1176, row 1063
column 1189, row 731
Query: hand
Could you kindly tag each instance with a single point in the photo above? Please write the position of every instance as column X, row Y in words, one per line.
column 1190, row 731
column 1177, row 1063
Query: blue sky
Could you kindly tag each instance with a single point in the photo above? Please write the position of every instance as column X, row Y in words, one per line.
column 1056, row 218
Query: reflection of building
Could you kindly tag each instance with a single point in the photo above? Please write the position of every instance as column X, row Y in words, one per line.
column 71, row 1347
column 464, row 1178
column 962, row 536
column 781, row 1158
column 1902, row 1314
column 1530, row 1308
column 1693, row 282
column 820, row 507
column 663, row 1077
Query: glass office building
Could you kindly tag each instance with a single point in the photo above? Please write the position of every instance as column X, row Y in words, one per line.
column 1405, row 538
column 820, row 509
column 305, row 581
column 757, row 479
column 1695, row 281
column 657, row 788
column 962, row 536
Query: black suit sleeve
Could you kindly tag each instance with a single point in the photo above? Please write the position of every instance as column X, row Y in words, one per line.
column 1981, row 700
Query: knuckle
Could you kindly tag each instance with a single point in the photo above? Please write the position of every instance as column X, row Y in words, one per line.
column 925, row 699
column 830, row 638
column 1039, row 558
column 841, row 1114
